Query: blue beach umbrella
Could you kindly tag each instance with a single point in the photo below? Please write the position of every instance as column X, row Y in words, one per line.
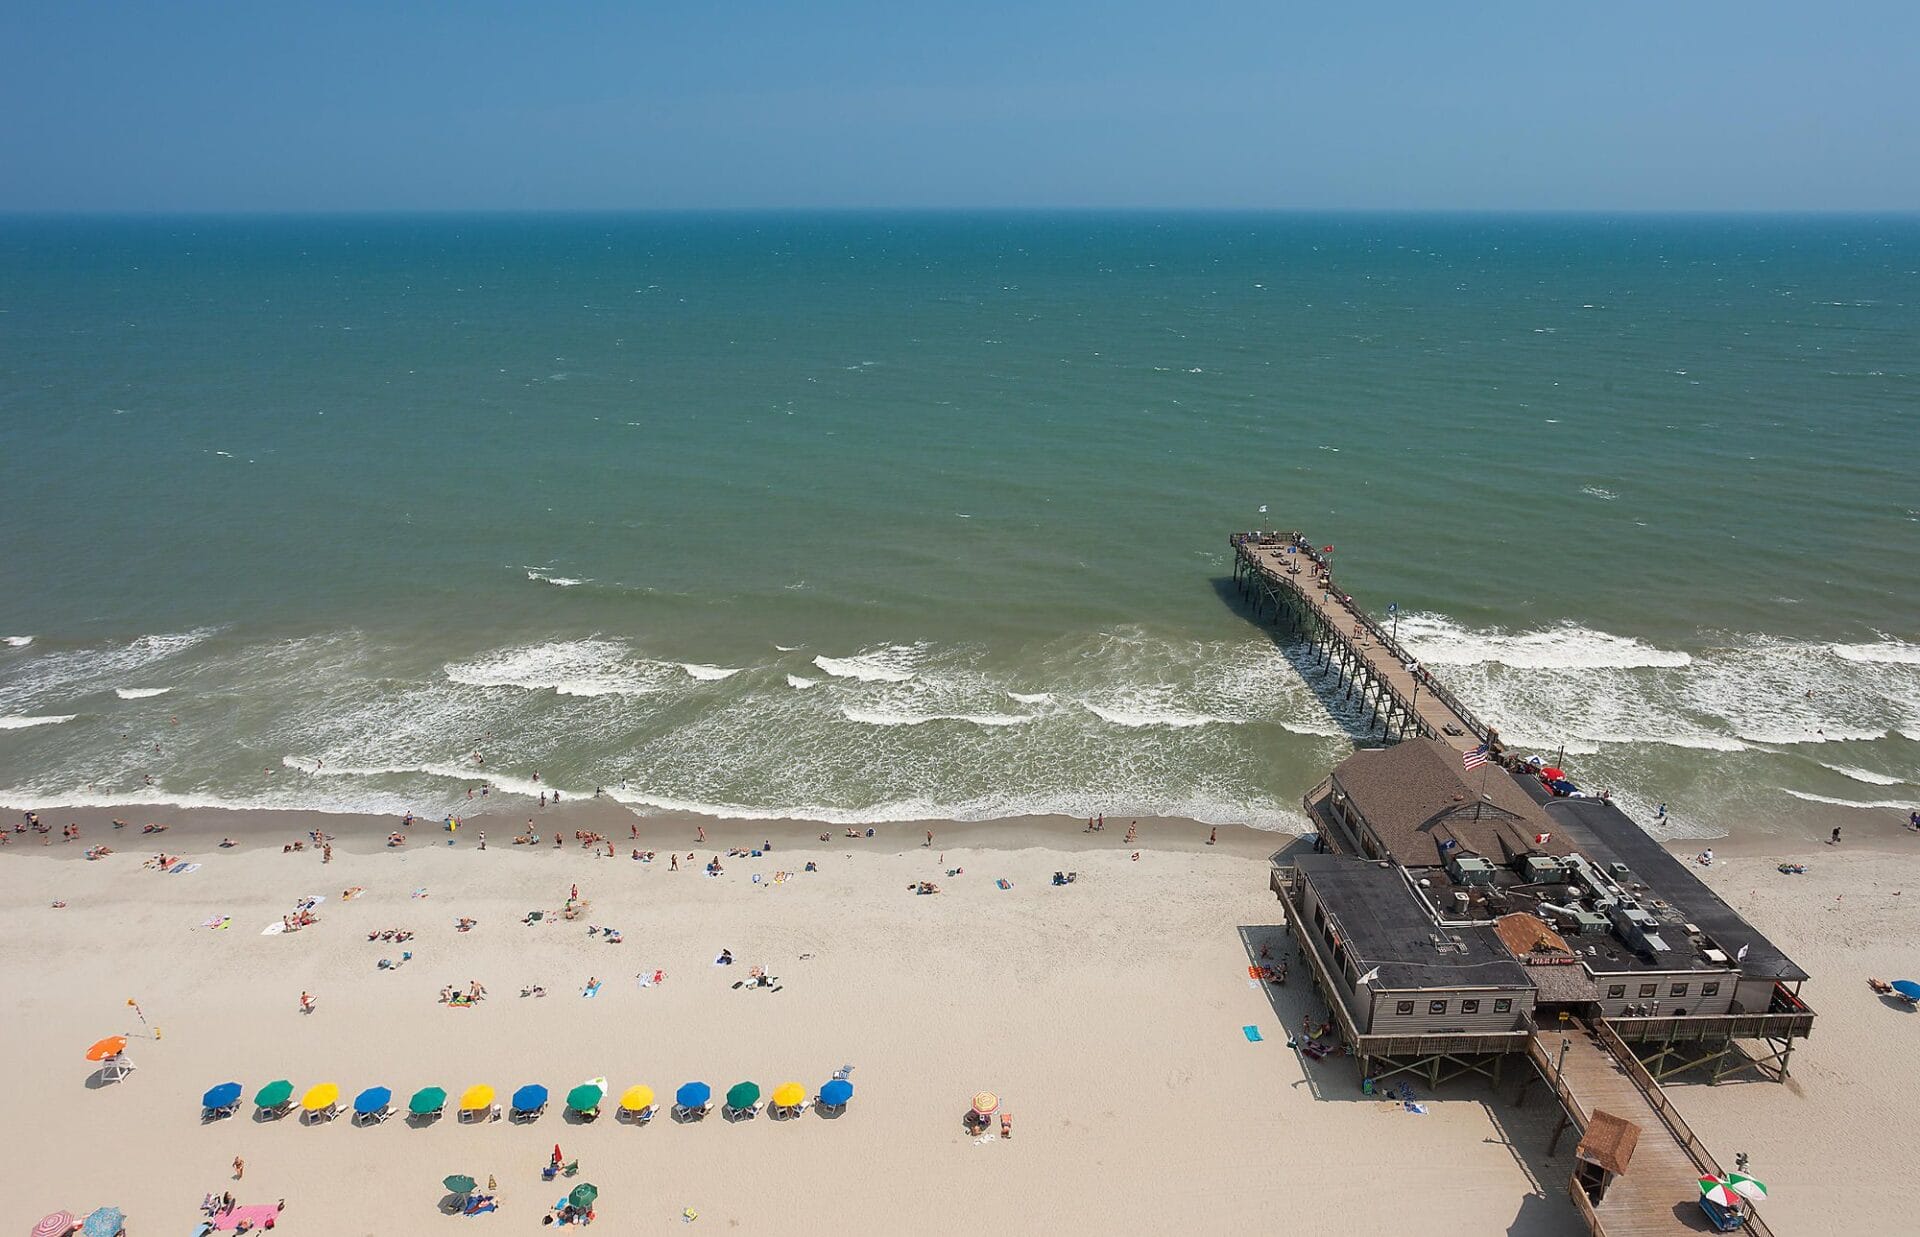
column 226, row 1095
column 836, row 1093
column 693, row 1095
column 105, row 1222
column 373, row 1099
column 529, row 1097
column 1907, row 988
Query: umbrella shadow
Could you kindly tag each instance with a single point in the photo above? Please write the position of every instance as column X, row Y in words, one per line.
column 99, row 1079
column 687, row 1116
column 575, row 1117
column 830, row 1112
column 1898, row 1002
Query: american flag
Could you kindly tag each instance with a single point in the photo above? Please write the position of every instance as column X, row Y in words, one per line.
column 1475, row 758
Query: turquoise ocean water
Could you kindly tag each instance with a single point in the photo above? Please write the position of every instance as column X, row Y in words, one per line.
column 870, row 517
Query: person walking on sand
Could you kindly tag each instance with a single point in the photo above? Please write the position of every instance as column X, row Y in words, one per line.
column 929, row 837
column 1133, row 832
column 1835, row 839
column 1214, row 836
column 483, row 839
column 675, row 865
column 700, row 833
column 239, row 1168
column 306, row 1002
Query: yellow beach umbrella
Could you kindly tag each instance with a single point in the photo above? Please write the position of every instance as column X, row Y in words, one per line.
column 788, row 1095
column 637, row 1099
column 477, row 1097
column 985, row 1102
column 322, row 1097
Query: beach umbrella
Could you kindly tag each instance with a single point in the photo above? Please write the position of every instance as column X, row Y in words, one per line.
column 529, row 1097
column 373, row 1099
column 789, row 1095
column 637, row 1099
column 1747, row 1187
column 693, row 1095
column 743, row 1095
column 1907, row 988
column 324, row 1096
column 1717, row 1192
column 476, row 1097
column 1552, row 774
column 104, row 1222
column 274, row 1094
column 985, row 1102
column 426, row 1100
column 111, row 1046
column 582, row 1195
column 223, row 1096
column 459, row 1183
column 56, row 1224
column 836, row 1093
column 585, row 1097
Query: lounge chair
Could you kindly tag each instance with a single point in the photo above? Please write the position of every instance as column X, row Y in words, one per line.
column 683, row 1112
column 640, row 1117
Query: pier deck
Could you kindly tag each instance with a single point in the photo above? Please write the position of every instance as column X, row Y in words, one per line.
column 1418, row 702
column 1658, row 1194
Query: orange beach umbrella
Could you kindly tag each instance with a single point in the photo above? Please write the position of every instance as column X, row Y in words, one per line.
column 985, row 1102
column 111, row 1046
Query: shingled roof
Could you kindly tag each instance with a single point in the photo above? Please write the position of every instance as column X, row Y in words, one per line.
column 1528, row 936
column 1417, row 794
column 1609, row 1141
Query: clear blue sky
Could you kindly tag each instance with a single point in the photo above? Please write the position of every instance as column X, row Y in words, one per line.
column 263, row 105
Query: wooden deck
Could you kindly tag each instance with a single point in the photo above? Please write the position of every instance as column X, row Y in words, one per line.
column 1305, row 572
column 1659, row 1193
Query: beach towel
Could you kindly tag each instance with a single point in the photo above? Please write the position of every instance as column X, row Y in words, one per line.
column 1252, row 1033
column 217, row 921
column 181, row 869
column 1004, row 883
column 259, row 1213
column 593, row 991
column 420, row 892
column 273, row 929
column 689, row 1216
column 1418, row 1110
column 649, row 978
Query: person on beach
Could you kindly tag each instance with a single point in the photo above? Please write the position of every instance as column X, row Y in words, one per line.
column 674, row 866
column 1835, row 839
column 1213, row 836
column 1133, row 832
column 700, row 833
column 306, row 1002
column 239, row 1170
column 929, row 837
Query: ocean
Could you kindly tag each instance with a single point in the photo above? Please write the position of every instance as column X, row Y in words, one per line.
column 873, row 517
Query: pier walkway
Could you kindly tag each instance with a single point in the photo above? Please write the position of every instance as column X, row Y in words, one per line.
column 1287, row 573
column 1659, row 1193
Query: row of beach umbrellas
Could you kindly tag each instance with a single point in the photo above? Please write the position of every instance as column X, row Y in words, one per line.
column 1732, row 1190
column 532, row 1098
column 100, row 1222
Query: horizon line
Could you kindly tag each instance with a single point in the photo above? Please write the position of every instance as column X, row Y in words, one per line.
column 1376, row 211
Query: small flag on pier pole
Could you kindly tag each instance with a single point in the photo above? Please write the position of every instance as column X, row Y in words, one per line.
column 1475, row 758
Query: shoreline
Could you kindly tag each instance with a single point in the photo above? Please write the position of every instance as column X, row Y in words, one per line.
column 201, row 829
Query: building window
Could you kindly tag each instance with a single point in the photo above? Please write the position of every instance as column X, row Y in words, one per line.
column 1677, row 990
column 1403, row 1007
column 1648, row 990
column 1616, row 992
column 1469, row 1007
column 1436, row 1008
column 1503, row 1005
column 1710, row 988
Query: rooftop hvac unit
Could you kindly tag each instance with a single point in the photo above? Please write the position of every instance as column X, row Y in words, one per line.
column 1716, row 956
column 1543, row 869
column 1620, row 871
column 1586, row 923
column 1469, row 870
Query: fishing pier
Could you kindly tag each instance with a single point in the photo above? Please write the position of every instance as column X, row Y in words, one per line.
column 1462, row 909
column 1291, row 583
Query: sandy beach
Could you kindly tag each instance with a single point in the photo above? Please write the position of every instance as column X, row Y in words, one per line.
column 1107, row 1013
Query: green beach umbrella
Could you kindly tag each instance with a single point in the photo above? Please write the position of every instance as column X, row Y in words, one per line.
column 426, row 1100
column 459, row 1183
column 274, row 1094
column 743, row 1095
column 583, row 1195
column 585, row 1097
column 1747, row 1187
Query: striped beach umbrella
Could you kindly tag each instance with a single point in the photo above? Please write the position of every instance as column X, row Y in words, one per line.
column 1747, row 1187
column 985, row 1103
column 56, row 1224
column 1718, row 1192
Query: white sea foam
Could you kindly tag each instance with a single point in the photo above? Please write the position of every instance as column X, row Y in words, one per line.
column 881, row 717
column 801, row 684
column 19, row 642
column 467, row 775
column 565, row 667
column 1265, row 815
column 1882, row 652
column 557, row 581
column 1864, row 805
column 1595, row 491
column 892, row 664
column 22, row 723
column 1033, row 698
column 1136, row 718
column 1439, row 641
column 140, row 693
column 787, row 648
column 707, row 674
column 1864, row 775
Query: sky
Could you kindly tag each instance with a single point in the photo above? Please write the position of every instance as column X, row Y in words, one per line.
column 270, row 106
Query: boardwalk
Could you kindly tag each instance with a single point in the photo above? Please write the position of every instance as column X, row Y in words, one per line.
column 1659, row 1193
column 1292, row 564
